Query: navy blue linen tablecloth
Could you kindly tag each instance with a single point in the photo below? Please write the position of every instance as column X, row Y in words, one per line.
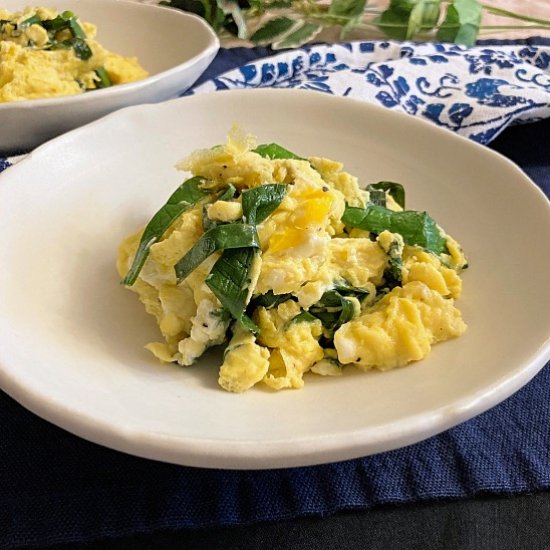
column 58, row 488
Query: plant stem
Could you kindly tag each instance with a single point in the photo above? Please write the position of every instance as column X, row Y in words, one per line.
column 512, row 27
column 506, row 13
column 483, row 31
column 366, row 25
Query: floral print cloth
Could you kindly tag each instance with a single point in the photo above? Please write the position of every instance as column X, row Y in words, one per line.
column 476, row 92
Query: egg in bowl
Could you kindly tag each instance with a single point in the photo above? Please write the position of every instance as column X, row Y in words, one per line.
column 174, row 47
column 44, row 53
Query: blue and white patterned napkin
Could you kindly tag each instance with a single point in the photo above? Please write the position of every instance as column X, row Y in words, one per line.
column 476, row 92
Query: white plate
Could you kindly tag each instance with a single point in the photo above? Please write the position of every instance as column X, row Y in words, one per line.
column 71, row 338
column 173, row 46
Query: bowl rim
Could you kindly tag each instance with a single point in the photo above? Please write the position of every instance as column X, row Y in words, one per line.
column 120, row 89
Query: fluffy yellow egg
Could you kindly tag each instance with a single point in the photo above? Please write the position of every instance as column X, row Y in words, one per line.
column 37, row 61
column 290, row 281
column 398, row 329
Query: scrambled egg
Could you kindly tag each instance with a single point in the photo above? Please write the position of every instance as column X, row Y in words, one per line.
column 44, row 53
column 318, row 290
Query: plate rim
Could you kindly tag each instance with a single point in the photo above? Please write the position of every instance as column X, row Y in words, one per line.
column 275, row 454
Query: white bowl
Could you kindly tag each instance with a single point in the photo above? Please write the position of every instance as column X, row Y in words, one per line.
column 173, row 46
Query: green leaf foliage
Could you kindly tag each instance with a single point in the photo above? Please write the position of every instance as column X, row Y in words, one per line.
column 76, row 30
column 300, row 22
column 333, row 310
column 233, row 9
column 64, row 21
column 228, row 194
column 298, row 37
column 259, row 202
column 352, row 10
column 229, row 280
column 395, row 190
column 80, row 47
column 393, row 24
column 347, row 8
column 183, row 198
column 394, row 273
column 271, row 30
column 423, row 17
column 269, row 300
column 462, row 22
column 103, row 79
column 192, row 6
column 303, row 317
column 416, row 228
column 32, row 20
column 346, row 289
column 377, row 196
column 207, row 9
column 221, row 237
column 264, row 6
column 404, row 19
column 275, row 151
